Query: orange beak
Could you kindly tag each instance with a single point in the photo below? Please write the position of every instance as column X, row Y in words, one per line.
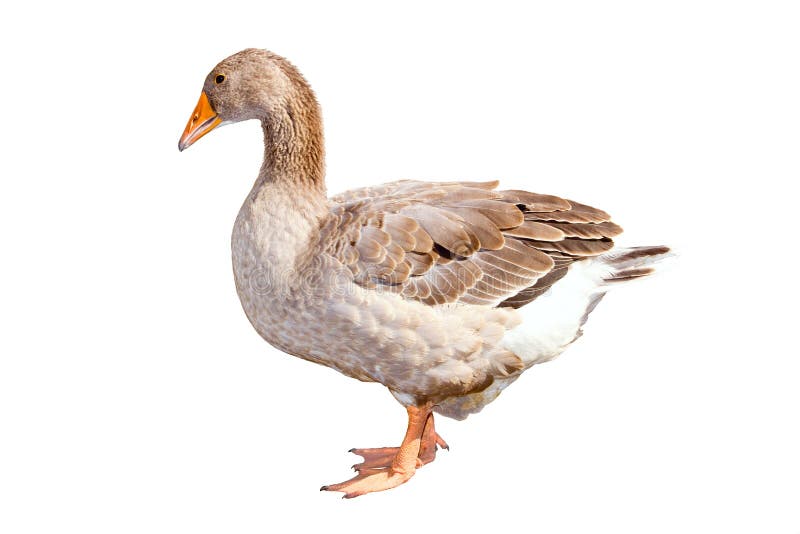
column 203, row 120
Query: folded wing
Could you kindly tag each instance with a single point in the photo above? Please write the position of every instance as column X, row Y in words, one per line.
column 462, row 241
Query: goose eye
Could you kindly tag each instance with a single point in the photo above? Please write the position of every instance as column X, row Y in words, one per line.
column 220, row 78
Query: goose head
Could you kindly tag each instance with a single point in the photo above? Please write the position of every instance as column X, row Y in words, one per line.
column 251, row 84
column 257, row 84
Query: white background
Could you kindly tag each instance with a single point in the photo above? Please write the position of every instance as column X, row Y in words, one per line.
column 135, row 397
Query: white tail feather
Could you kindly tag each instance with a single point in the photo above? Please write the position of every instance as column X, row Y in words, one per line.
column 554, row 320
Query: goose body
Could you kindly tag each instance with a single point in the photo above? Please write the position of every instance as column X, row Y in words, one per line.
column 443, row 292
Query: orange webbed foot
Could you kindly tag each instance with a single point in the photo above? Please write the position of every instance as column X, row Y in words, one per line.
column 387, row 467
column 378, row 458
column 369, row 481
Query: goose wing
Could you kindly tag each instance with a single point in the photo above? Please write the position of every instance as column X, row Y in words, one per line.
column 462, row 241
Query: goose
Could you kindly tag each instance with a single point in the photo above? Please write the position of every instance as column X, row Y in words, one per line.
column 444, row 292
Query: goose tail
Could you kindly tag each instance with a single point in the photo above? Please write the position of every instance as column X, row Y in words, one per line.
column 626, row 264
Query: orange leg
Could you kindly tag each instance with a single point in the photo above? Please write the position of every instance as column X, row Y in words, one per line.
column 388, row 467
column 381, row 458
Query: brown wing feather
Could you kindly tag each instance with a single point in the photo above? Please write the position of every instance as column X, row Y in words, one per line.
column 462, row 241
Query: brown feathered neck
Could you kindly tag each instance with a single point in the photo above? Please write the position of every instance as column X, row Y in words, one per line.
column 294, row 148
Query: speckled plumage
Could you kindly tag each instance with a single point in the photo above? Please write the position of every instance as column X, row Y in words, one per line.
column 443, row 292
column 415, row 285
